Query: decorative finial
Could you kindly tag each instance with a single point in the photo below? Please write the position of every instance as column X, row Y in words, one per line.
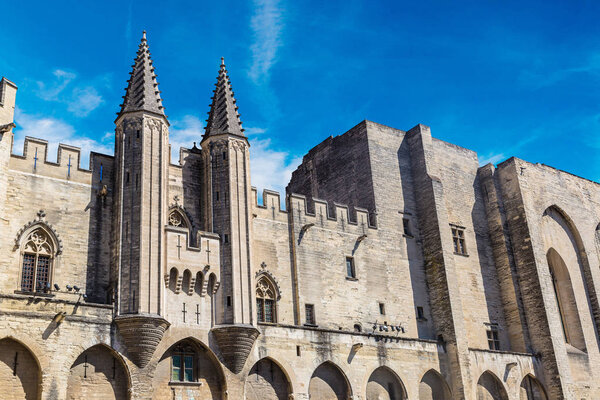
column 222, row 60
column 144, row 35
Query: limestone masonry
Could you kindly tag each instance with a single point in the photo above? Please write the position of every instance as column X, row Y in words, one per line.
column 399, row 268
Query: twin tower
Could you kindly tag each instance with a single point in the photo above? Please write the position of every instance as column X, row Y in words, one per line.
column 216, row 191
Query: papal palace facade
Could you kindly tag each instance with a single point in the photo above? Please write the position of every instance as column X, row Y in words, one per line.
column 397, row 267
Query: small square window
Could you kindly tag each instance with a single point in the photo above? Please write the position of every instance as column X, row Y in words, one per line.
column 225, row 238
column 406, row 226
column 224, row 156
column 298, row 351
column 216, row 196
column 493, row 341
column 381, row 308
column 309, row 310
column 228, row 301
column 420, row 313
column 458, row 239
column 350, row 270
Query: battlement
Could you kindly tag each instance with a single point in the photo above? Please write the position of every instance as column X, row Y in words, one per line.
column 339, row 215
column 8, row 94
column 67, row 166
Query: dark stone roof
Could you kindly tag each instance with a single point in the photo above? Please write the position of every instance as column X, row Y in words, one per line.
column 223, row 116
column 142, row 92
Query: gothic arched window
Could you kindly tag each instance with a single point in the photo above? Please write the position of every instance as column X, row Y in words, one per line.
column 37, row 254
column 177, row 219
column 265, row 300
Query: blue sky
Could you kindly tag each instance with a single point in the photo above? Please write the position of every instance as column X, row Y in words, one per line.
column 501, row 78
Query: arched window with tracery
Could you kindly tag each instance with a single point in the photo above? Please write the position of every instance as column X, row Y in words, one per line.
column 37, row 256
column 177, row 219
column 266, row 300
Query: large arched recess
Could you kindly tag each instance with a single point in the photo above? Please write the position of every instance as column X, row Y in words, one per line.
column 532, row 389
column 489, row 387
column 267, row 381
column 565, row 300
column 328, row 382
column 560, row 233
column 433, row 386
column 99, row 373
column 384, row 384
column 20, row 372
column 208, row 379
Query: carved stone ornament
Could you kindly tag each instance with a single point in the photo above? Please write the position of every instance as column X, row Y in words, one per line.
column 141, row 334
column 235, row 343
column 41, row 222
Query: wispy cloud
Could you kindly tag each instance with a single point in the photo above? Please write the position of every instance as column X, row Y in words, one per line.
column 267, row 25
column 80, row 99
column 56, row 131
column 540, row 76
column 183, row 133
column 51, row 92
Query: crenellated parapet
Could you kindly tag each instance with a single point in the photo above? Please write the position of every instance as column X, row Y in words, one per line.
column 35, row 160
column 340, row 219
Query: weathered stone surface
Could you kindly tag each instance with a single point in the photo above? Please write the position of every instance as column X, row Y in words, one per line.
column 141, row 335
column 235, row 343
column 136, row 243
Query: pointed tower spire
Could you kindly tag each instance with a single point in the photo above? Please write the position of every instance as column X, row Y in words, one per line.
column 223, row 116
column 142, row 92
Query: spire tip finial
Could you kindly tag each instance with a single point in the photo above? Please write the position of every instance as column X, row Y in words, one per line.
column 144, row 35
column 222, row 60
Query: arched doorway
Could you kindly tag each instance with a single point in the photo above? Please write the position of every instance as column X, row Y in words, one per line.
column 188, row 370
column 531, row 389
column 19, row 371
column 328, row 382
column 433, row 387
column 98, row 374
column 489, row 387
column 383, row 384
column 267, row 381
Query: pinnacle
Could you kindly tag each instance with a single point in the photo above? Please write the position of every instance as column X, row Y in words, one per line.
column 223, row 116
column 142, row 92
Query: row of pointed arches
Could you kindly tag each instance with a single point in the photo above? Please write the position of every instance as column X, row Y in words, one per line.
column 189, row 283
column 188, row 368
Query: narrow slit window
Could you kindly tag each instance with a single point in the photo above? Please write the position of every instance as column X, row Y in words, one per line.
column 350, row 269
column 406, row 226
column 493, row 340
column 309, row 311
column 382, row 308
column 458, row 239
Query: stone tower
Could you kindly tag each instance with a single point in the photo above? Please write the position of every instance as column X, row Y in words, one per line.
column 141, row 161
column 8, row 93
column 227, row 212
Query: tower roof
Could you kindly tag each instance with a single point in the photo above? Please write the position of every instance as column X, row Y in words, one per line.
column 223, row 116
column 142, row 92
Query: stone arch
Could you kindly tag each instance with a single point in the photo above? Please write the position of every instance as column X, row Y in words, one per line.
column 173, row 278
column 205, row 371
column 561, row 233
column 267, row 380
column 531, row 389
column 98, row 373
column 185, row 282
column 213, row 284
column 40, row 223
column 328, row 382
column 384, row 384
column 489, row 387
column 199, row 284
column 565, row 300
column 179, row 218
column 433, row 386
column 20, row 371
